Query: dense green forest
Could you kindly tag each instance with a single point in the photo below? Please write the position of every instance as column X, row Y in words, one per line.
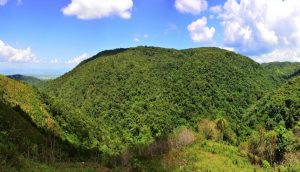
column 150, row 108
column 282, row 70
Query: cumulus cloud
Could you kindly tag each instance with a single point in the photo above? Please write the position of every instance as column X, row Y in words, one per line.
column 260, row 26
column 11, row 54
column 199, row 31
column 78, row 59
column 93, row 9
column 280, row 55
column 191, row 6
column 3, row 2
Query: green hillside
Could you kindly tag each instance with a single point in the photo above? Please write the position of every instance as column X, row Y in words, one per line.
column 282, row 70
column 27, row 79
column 28, row 99
column 30, row 140
column 23, row 145
column 133, row 96
column 283, row 105
column 17, row 137
column 154, row 109
column 276, row 118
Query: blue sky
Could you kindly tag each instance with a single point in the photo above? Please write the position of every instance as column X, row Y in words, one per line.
column 51, row 37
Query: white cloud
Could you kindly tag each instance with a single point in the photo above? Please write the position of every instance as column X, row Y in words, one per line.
column 260, row 26
column 228, row 48
column 140, row 37
column 216, row 9
column 78, row 59
column 199, row 32
column 11, row 54
column 3, row 2
column 280, row 55
column 54, row 61
column 93, row 9
column 191, row 6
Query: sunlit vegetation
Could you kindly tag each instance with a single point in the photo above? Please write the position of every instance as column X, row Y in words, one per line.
column 26, row 98
column 135, row 96
column 21, row 142
column 277, row 115
column 282, row 70
column 155, row 109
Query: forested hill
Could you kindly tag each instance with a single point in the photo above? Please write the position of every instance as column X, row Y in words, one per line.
column 28, row 132
column 282, row 70
column 29, row 100
column 133, row 96
column 123, row 107
column 27, row 79
column 20, row 140
column 282, row 105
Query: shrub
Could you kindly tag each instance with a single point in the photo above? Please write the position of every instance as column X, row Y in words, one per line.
column 271, row 145
column 182, row 137
column 265, row 164
column 208, row 129
column 230, row 136
column 218, row 130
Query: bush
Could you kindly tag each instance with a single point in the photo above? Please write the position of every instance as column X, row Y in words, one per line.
column 230, row 136
column 208, row 130
column 218, row 130
column 271, row 145
column 265, row 164
column 182, row 137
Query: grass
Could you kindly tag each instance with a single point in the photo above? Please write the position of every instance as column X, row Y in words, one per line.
column 214, row 156
column 209, row 156
column 31, row 166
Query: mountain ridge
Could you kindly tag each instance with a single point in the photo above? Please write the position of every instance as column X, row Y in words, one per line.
column 126, row 106
column 146, row 82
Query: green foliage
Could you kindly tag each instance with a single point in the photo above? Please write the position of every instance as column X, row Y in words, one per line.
column 208, row 156
column 286, row 140
column 265, row 164
column 208, row 130
column 283, row 105
column 123, row 106
column 20, row 139
column 221, row 126
column 27, row 130
column 271, row 145
column 129, row 97
column 25, row 98
column 218, row 130
column 282, row 70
